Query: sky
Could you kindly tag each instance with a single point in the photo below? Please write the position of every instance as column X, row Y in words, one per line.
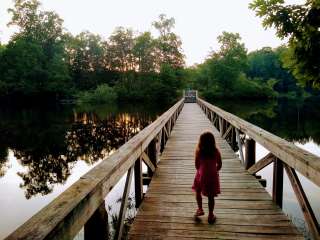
column 198, row 22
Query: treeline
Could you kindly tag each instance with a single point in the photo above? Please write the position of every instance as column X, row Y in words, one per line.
column 43, row 60
column 232, row 72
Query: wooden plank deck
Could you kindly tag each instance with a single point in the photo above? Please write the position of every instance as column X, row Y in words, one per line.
column 244, row 210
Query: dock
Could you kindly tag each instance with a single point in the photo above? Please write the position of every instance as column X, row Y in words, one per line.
column 244, row 210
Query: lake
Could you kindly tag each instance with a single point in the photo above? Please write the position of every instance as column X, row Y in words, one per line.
column 44, row 150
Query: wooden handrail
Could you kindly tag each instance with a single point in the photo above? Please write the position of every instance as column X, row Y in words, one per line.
column 302, row 161
column 283, row 154
column 64, row 217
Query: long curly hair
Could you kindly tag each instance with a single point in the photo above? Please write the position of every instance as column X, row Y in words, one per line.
column 206, row 147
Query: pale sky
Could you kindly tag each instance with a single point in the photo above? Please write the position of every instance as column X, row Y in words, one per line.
column 198, row 22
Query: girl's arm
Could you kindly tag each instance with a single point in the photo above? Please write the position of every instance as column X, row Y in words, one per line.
column 219, row 161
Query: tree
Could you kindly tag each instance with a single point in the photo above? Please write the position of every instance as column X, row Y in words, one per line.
column 144, row 51
column 34, row 61
column 168, row 43
column 227, row 64
column 120, row 50
column 86, row 58
column 300, row 23
column 266, row 64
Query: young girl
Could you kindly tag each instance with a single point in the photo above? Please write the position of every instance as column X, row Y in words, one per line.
column 206, row 182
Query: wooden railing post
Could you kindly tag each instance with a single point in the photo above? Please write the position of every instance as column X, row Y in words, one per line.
column 220, row 125
column 153, row 152
column 277, row 189
column 239, row 145
column 97, row 226
column 303, row 201
column 123, row 207
column 250, row 153
column 233, row 139
column 138, row 182
column 162, row 143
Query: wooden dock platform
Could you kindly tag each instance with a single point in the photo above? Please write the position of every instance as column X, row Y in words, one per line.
column 244, row 210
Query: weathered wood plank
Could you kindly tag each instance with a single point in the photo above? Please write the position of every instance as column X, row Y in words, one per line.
column 265, row 161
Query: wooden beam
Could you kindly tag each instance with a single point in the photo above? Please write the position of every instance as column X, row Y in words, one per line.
column 262, row 163
column 165, row 130
column 124, row 204
column 138, row 186
column 227, row 132
column 153, row 153
column 215, row 119
column 305, row 206
column 97, row 226
column 220, row 126
column 147, row 161
column 250, row 153
column 277, row 185
column 169, row 127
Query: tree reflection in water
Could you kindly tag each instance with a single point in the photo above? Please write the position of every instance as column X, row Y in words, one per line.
column 49, row 143
column 88, row 138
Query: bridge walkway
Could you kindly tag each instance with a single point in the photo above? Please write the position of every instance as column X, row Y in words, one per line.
column 244, row 210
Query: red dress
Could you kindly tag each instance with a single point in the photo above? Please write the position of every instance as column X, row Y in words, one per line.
column 207, row 175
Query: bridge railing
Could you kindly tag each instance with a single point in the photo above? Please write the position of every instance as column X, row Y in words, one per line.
column 82, row 204
column 283, row 155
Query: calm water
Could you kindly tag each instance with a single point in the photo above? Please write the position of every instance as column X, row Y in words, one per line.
column 297, row 122
column 43, row 151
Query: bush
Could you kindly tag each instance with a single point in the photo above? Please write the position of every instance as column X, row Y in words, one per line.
column 102, row 94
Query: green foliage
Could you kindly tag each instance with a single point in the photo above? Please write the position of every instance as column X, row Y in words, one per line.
column 266, row 63
column 85, row 53
column 33, row 61
column 42, row 59
column 300, row 23
column 168, row 43
column 226, row 65
column 143, row 51
column 232, row 73
column 102, row 94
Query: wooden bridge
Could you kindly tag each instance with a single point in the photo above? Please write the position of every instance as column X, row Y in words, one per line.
column 244, row 209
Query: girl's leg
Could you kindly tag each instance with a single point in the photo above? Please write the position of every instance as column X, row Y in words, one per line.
column 211, row 217
column 199, row 211
column 211, row 204
column 199, row 199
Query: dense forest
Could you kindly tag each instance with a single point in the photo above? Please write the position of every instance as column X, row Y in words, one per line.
column 44, row 61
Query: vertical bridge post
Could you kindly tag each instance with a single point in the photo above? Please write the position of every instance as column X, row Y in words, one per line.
column 277, row 188
column 138, row 181
column 97, row 226
column 250, row 153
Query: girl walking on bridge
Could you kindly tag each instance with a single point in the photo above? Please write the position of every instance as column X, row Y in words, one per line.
column 206, row 182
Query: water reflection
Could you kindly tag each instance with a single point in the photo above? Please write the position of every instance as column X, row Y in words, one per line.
column 48, row 144
column 293, row 120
